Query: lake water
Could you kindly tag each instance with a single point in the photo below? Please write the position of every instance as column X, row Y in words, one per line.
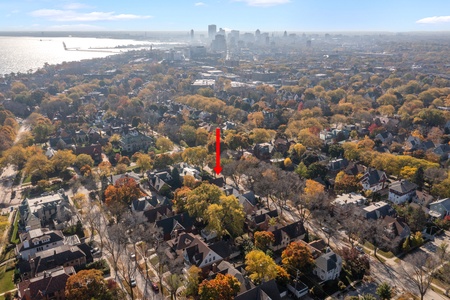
column 21, row 54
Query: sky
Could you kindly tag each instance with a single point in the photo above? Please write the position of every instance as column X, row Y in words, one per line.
column 243, row 15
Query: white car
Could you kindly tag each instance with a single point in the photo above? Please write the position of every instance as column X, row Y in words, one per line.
column 133, row 282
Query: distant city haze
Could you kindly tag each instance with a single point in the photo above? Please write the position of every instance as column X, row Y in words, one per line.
column 244, row 15
column 22, row 54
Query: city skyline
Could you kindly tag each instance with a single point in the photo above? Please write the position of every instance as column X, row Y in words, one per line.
column 245, row 15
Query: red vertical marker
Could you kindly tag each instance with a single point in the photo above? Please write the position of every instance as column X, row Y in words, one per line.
column 218, row 168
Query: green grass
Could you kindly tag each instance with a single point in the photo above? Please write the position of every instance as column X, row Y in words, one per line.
column 4, row 223
column 15, row 234
column 369, row 245
column 154, row 260
column 27, row 179
column 6, row 281
column 385, row 254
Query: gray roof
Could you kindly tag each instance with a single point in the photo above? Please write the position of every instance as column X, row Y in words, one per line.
column 403, row 187
column 327, row 261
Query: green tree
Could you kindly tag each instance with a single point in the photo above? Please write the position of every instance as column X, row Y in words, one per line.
column 164, row 144
column 83, row 160
column 260, row 266
column 193, row 280
column 225, row 217
column 199, row 199
column 384, row 291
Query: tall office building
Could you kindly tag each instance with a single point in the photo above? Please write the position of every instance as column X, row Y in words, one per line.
column 192, row 33
column 212, row 29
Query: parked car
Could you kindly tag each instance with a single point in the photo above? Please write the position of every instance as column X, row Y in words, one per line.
column 155, row 287
column 133, row 282
column 325, row 229
column 360, row 249
column 133, row 256
column 94, row 250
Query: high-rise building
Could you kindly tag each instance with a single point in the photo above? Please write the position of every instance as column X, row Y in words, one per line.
column 212, row 29
column 192, row 33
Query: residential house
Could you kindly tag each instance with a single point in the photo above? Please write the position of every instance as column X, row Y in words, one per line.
column 259, row 220
column 396, row 231
column 136, row 177
column 377, row 210
column 298, row 288
column 402, row 191
column 440, row 209
column 354, row 169
column 94, row 151
column 282, row 145
column 286, row 234
column 135, row 141
column 224, row 267
column 194, row 252
column 385, row 137
column 337, row 165
column 328, row 266
column 266, row 290
column 159, row 212
column 263, row 151
column 37, row 240
column 443, row 151
column 343, row 204
column 140, row 205
column 247, row 199
column 423, row 198
column 159, row 180
column 46, row 286
column 39, row 211
column 61, row 256
column 172, row 226
column 373, row 180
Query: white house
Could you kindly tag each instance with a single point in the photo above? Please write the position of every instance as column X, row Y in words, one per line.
column 328, row 266
column 402, row 191
column 440, row 208
column 38, row 240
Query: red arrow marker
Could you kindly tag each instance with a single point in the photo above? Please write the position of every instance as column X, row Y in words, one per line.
column 218, row 168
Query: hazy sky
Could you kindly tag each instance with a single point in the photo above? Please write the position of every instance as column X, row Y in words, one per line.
column 268, row 15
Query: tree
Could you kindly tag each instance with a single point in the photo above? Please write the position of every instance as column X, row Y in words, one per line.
column 418, row 269
column 313, row 189
column 225, row 217
column 173, row 282
column 144, row 162
column 89, row 284
column 83, row 160
column 384, row 291
column 263, row 239
column 164, row 144
column 39, row 165
column 222, row 287
column 193, row 280
column 297, row 256
column 260, row 266
column 120, row 195
column 63, row 159
column 199, row 199
column 260, row 135
column 355, row 263
column 195, row 156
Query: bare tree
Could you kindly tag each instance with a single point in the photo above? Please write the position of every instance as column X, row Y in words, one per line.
column 115, row 243
column 418, row 269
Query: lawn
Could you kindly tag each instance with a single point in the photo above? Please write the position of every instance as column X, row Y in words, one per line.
column 15, row 234
column 4, row 222
column 6, row 280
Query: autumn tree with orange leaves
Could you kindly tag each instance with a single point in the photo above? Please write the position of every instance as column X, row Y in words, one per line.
column 297, row 256
column 120, row 195
column 224, row 287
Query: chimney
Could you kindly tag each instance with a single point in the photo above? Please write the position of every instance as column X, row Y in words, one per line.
column 214, row 268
